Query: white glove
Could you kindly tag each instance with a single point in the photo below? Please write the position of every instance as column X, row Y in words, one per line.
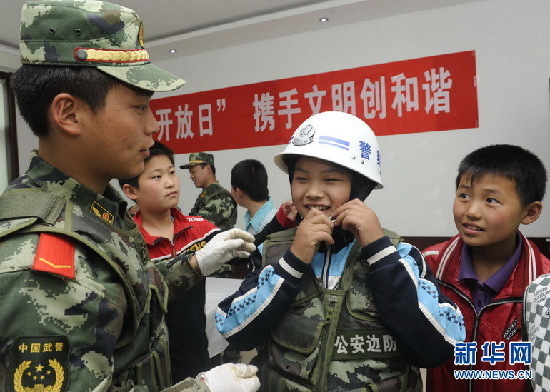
column 231, row 377
column 223, row 247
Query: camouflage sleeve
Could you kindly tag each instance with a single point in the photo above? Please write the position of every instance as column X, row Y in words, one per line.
column 178, row 273
column 220, row 209
column 58, row 331
column 403, row 288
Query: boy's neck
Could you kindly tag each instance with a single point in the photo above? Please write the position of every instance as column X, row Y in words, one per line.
column 254, row 206
column 158, row 224
column 486, row 260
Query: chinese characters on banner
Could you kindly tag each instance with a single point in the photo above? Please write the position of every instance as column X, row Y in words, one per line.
column 434, row 93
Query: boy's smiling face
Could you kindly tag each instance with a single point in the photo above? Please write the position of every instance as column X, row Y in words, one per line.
column 159, row 185
column 319, row 184
column 489, row 211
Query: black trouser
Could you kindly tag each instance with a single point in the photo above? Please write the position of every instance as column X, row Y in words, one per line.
column 186, row 323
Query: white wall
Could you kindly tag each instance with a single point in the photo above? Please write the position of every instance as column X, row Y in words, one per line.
column 513, row 68
column 8, row 61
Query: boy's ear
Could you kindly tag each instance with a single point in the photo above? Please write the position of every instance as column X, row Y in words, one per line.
column 533, row 212
column 65, row 113
column 238, row 193
column 130, row 192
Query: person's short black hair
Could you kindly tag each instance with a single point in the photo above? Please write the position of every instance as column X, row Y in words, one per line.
column 250, row 177
column 157, row 149
column 35, row 86
column 515, row 163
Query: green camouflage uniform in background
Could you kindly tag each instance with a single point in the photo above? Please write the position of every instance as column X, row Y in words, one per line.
column 103, row 330
column 216, row 204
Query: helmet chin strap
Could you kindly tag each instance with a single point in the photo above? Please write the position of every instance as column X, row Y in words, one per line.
column 341, row 239
column 361, row 187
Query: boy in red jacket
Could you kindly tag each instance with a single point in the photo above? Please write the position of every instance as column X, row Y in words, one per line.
column 487, row 266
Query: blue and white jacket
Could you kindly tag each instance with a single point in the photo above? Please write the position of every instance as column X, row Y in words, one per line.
column 406, row 296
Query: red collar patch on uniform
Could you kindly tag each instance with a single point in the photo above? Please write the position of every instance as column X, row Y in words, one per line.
column 55, row 254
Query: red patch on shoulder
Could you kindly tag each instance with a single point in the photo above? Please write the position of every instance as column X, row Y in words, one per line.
column 55, row 254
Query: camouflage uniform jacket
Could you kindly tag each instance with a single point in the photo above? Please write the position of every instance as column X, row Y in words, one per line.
column 216, row 204
column 337, row 324
column 82, row 306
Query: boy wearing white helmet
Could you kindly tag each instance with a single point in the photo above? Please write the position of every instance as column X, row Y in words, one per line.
column 330, row 297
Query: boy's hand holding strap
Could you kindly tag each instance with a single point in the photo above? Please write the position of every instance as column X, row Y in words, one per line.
column 223, row 247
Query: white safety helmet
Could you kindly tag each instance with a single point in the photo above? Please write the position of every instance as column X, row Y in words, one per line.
column 336, row 137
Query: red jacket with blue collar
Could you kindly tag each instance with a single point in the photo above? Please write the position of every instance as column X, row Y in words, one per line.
column 499, row 321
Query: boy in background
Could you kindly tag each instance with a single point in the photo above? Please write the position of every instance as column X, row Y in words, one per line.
column 249, row 189
column 486, row 267
column 169, row 233
column 328, row 298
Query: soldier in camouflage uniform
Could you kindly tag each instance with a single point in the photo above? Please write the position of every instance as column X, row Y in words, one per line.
column 82, row 306
column 214, row 203
column 338, row 303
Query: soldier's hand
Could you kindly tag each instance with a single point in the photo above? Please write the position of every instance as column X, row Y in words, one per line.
column 231, row 377
column 223, row 247
column 314, row 229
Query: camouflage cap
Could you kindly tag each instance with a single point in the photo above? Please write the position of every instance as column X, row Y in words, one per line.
column 197, row 158
column 91, row 33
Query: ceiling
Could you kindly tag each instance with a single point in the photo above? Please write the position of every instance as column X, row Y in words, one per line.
column 194, row 26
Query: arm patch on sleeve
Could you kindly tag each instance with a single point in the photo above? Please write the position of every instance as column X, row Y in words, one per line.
column 55, row 254
column 39, row 364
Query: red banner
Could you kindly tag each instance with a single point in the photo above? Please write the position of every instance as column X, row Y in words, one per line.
column 435, row 93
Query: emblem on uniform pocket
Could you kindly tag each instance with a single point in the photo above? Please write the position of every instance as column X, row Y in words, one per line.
column 39, row 364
